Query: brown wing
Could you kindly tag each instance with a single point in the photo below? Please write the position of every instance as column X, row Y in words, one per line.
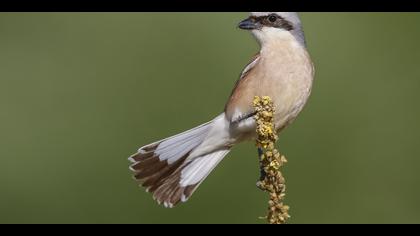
column 238, row 90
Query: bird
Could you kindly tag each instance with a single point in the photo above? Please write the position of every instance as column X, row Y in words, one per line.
column 171, row 169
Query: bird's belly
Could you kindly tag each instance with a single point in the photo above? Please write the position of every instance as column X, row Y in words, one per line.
column 288, row 98
column 289, row 95
column 288, row 105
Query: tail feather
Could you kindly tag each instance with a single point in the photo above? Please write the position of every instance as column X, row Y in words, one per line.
column 165, row 170
column 198, row 170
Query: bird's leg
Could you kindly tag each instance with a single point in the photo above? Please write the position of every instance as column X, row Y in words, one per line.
column 262, row 171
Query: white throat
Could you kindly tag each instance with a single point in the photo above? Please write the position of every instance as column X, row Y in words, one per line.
column 268, row 37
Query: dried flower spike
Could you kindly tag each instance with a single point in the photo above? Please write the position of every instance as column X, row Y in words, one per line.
column 271, row 181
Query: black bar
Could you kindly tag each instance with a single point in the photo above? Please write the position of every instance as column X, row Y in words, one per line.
column 209, row 6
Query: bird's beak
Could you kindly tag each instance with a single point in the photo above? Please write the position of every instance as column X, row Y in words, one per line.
column 249, row 24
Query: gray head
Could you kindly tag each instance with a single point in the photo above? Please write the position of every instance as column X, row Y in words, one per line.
column 265, row 24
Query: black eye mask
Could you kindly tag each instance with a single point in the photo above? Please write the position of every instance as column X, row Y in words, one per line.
column 273, row 20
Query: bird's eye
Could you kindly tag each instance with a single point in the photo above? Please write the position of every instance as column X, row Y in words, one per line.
column 272, row 18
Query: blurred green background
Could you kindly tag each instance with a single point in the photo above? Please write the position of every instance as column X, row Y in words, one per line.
column 80, row 92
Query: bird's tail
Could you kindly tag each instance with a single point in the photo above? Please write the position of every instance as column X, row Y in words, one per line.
column 165, row 169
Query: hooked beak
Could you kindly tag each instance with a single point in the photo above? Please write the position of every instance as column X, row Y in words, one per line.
column 249, row 24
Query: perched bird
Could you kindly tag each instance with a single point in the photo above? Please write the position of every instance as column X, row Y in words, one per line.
column 174, row 167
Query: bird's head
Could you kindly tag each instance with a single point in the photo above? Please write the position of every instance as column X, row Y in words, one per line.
column 272, row 26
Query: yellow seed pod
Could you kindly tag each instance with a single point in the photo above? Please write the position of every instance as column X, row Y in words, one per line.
column 283, row 159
